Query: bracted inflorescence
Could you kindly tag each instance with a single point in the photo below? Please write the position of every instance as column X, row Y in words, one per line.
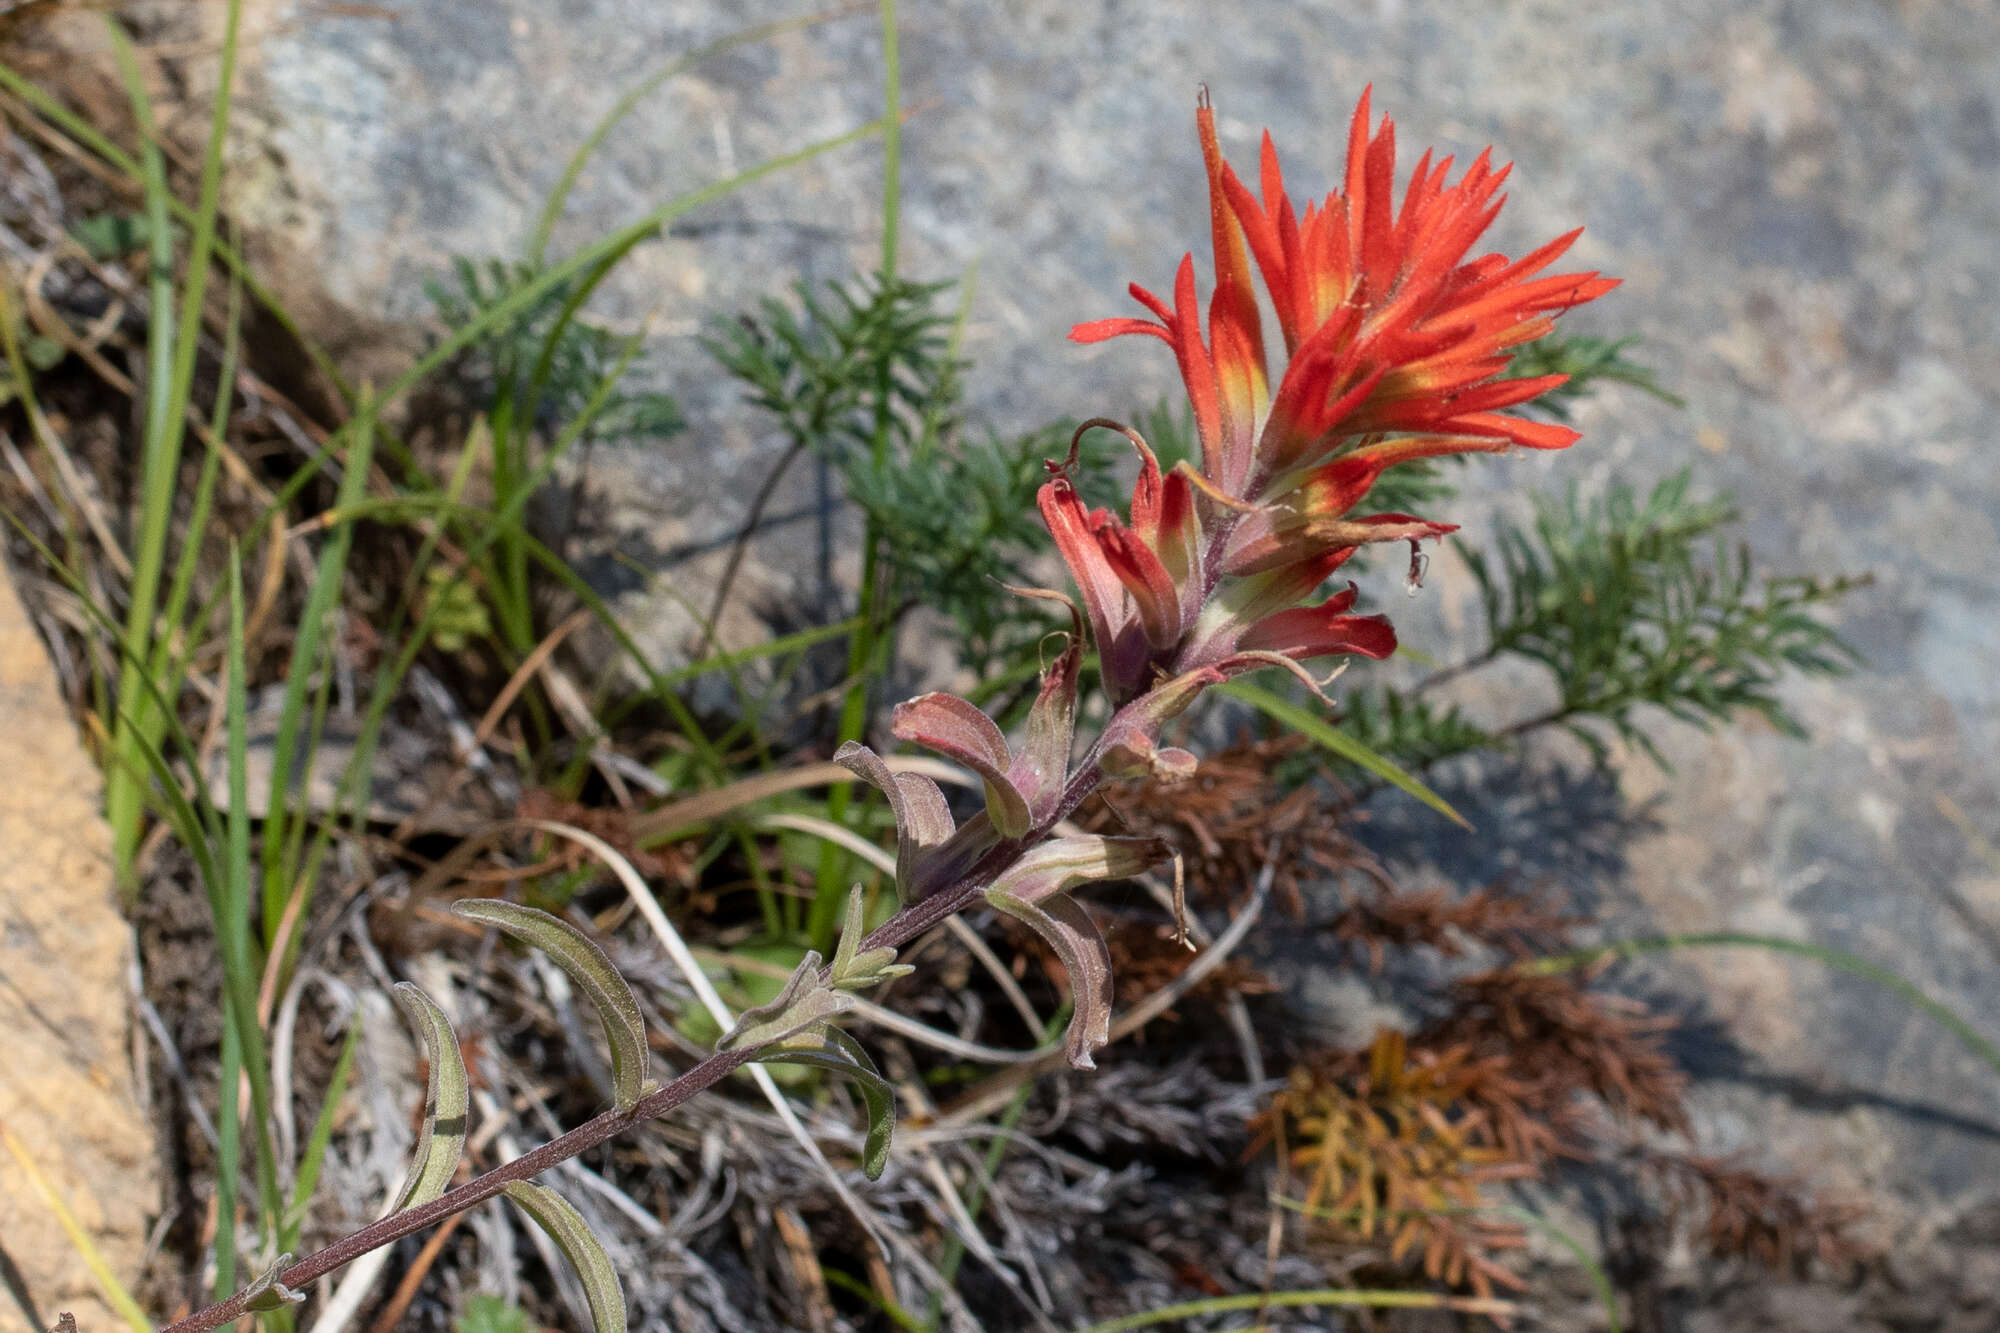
column 1395, row 344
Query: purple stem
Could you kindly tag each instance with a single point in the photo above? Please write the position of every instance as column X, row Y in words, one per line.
column 908, row 923
column 398, row 1225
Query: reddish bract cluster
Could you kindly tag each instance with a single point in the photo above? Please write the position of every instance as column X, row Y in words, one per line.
column 1395, row 343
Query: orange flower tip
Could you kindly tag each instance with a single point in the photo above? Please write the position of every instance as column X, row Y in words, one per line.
column 1152, row 302
column 1532, row 434
column 1103, row 330
column 1536, row 386
column 1433, row 530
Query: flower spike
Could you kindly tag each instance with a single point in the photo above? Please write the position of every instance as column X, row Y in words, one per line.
column 1397, row 339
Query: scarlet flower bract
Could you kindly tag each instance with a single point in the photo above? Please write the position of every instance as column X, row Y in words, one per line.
column 1395, row 345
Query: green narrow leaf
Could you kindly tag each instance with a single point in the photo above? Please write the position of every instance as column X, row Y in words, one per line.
column 1838, row 959
column 314, row 1155
column 842, row 1054
column 792, row 1017
column 1324, row 733
column 231, row 910
column 545, row 224
column 299, row 724
column 1599, row 1279
column 1336, row 1297
column 851, row 970
column 566, row 1227
column 578, row 955
column 851, row 931
column 442, row 1138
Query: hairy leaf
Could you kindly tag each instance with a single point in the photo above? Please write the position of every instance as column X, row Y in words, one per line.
column 804, row 1002
column 446, row 1099
column 958, row 730
column 578, row 955
column 853, row 970
column 1061, row 864
column 267, row 1293
column 840, row 1053
column 566, row 1227
column 923, row 820
column 1068, row 929
column 1039, row 770
column 814, row 1007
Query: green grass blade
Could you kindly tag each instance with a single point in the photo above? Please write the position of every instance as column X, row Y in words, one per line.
column 114, row 1292
column 552, row 211
column 239, row 956
column 170, row 379
column 1324, row 733
column 530, row 294
column 797, row 641
column 1599, row 1279
column 892, row 137
column 170, row 661
column 1838, row 959
column 313, row 1157
column 158, row 467
column 308, row 649
column 228, row 1159
column 1342, row 1297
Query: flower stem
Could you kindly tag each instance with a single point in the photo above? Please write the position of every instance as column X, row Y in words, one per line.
column 398, row 1225
column 912, row 920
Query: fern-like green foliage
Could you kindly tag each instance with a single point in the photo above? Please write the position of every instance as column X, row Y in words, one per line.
column 548, row 361
column 1632, row 602
column 866, row 374
column 1416, row 731
column 1627, row 600
column 1589, row 362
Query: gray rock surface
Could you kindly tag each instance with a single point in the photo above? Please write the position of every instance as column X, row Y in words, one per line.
column 1802, row 197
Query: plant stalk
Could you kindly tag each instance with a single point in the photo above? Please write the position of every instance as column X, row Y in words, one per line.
column 411, row 1220
column 908, row 923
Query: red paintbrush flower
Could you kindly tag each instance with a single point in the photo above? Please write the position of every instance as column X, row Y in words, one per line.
column 1389, row 328
column 1395, row 343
